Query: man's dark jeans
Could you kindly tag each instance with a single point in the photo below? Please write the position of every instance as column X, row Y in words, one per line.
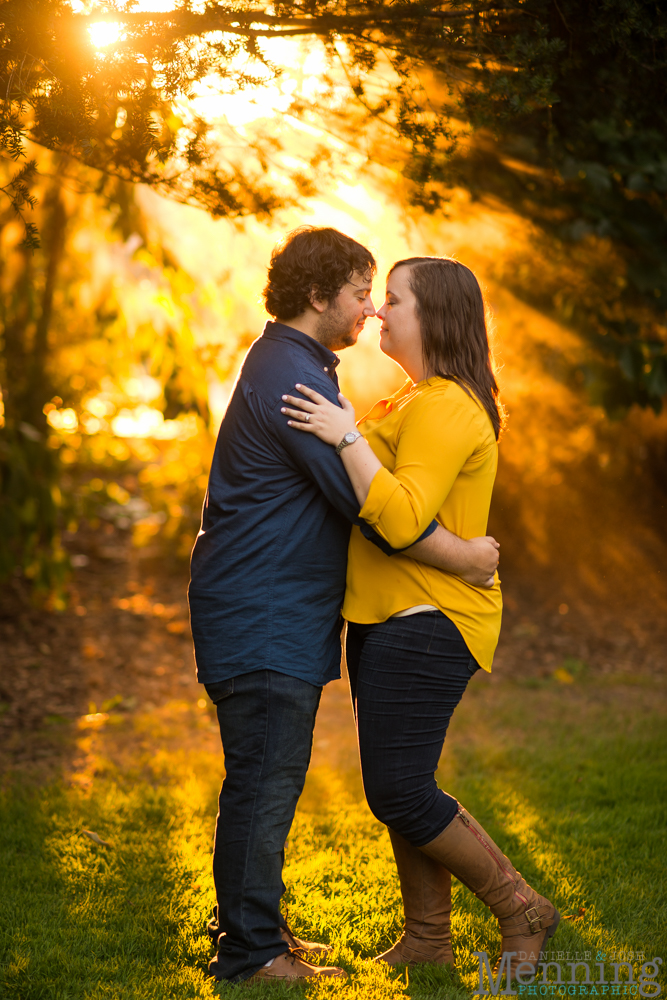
column 407, row 675
column 266, row 725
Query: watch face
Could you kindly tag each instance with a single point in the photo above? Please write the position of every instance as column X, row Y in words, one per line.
column 350, row 437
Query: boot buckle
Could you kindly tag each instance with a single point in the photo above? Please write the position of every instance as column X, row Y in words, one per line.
column 534, row 921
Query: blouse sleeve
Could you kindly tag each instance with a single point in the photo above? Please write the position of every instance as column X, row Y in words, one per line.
column 437, row 436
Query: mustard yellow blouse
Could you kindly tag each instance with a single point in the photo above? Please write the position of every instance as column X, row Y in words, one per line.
column 439, row 457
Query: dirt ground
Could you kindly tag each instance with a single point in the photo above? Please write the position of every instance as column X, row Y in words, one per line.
column 124, row 646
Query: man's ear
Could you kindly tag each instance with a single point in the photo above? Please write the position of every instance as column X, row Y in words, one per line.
column 318, row 304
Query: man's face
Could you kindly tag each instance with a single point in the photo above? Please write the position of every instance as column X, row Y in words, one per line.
column 343, row 318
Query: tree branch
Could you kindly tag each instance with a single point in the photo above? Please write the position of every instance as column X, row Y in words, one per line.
column 238, row 22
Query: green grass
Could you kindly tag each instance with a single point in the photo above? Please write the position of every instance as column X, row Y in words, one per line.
column 571, row 783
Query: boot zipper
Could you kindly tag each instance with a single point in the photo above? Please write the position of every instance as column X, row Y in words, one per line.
column 490, row 851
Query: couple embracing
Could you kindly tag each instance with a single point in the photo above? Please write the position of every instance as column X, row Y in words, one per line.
column 309, row 516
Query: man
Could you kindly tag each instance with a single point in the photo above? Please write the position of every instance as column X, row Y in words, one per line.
column 268, row 576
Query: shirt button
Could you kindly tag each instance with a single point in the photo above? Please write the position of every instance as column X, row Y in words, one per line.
column 326, row 369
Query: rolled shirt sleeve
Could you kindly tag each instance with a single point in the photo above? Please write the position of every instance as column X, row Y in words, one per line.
column 438, row 435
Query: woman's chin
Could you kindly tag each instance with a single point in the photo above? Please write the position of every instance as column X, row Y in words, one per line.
column 386, row 349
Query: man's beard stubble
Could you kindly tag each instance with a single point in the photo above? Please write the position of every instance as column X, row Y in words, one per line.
column 333, row 329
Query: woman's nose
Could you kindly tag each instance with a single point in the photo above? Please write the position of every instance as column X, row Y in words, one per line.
column 382, row 311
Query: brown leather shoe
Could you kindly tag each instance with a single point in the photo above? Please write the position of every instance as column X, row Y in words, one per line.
column 527, row 920
column 303, row 948
column 290, row 966
column 294, row 943
column 426, row 888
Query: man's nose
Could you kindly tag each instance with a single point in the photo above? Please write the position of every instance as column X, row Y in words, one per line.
column 369, row 308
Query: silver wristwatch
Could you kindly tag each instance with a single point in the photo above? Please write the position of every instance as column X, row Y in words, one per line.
column 348, row 438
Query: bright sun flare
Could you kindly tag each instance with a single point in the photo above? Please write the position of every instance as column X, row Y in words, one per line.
column 104, row 33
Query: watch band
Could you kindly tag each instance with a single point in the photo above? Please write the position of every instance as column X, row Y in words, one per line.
column 348, row 438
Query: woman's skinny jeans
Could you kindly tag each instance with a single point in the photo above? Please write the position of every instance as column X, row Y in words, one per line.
column 407, row 675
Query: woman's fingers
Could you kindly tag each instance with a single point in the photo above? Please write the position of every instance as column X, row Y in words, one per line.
column 318, row 414
column 297, row 414
column 301, row 425
column 301, row 404
column 311, row 394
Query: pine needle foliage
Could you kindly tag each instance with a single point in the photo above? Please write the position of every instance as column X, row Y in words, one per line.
column 571, row 94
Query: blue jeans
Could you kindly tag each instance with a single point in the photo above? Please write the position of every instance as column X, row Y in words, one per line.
column 407, row 675
column 266, row 725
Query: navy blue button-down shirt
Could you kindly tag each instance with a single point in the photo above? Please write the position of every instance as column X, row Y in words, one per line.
column 269, row 564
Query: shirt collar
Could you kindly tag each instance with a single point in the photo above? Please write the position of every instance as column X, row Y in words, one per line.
column 325, row 358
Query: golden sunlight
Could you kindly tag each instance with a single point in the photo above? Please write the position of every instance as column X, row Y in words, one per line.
column 104, row 33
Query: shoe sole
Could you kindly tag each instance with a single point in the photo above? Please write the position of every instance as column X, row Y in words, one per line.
column 550, row 933
column 287, row 980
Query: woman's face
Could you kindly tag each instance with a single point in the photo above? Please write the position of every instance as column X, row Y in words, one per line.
column 400, row 334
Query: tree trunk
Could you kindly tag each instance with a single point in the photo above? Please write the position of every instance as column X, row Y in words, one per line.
column 29, row 530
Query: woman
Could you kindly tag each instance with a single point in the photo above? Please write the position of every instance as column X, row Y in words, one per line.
column 416, row 634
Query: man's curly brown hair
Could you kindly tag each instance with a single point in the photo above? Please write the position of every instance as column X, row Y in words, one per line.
column 312, row 260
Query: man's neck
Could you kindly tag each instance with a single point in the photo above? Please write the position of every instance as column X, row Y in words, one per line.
column 309, row 324
column 305, row 323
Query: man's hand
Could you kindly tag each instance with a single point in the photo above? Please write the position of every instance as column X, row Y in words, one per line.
column 484, row 553
column 475, row 560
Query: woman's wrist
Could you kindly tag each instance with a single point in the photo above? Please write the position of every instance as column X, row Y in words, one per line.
column 349, row 438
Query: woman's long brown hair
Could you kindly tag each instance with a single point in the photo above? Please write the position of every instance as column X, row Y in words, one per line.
column 455, row 344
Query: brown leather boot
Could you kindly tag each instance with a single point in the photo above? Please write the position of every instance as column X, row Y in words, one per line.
column 527, row 920
column 290, row 966
column 427, row 902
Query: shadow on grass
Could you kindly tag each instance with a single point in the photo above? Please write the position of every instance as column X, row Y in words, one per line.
column 571, row 789
column 81, row 919
column 572, row 784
